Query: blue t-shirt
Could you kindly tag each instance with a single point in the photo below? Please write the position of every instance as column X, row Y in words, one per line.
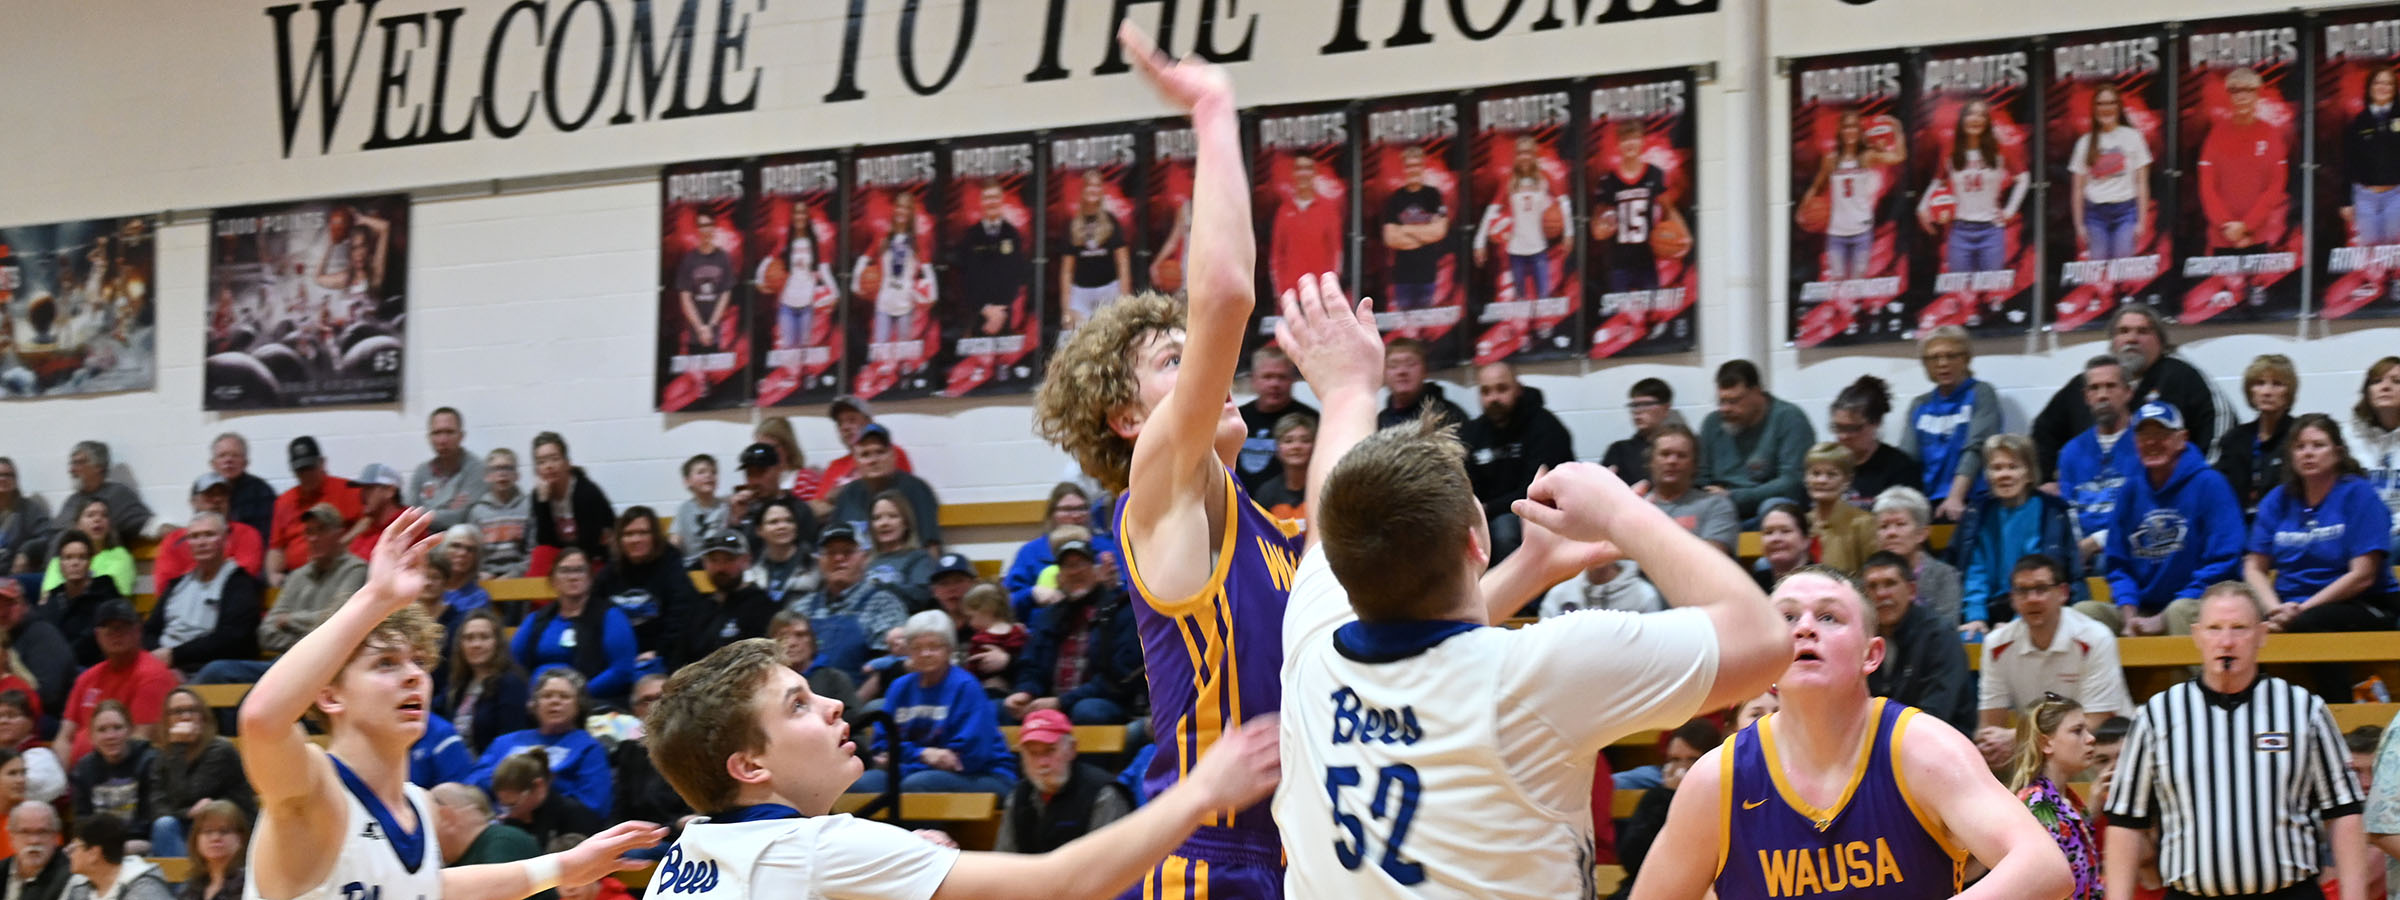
column 2311, row 548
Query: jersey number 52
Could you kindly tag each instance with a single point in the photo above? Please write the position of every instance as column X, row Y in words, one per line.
column 1400, row 779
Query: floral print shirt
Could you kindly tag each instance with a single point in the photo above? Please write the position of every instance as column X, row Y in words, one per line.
column 2061, row 813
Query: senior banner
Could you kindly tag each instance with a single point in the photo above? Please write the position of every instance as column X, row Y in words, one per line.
column 796, row 328
column 703, row 297
column 2357, row 240
column 1640, row 158
column 2241, row 236
column 2107, row 106
column 1414, row 222
column 1972, row 155
column 1849, row 259
column 1526, row 286
column 989, row 326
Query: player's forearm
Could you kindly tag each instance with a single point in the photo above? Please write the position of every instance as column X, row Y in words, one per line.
column 2388, row 843
column 1512, row 584
column 1224, row 257
column 287, row 689
column 2121, row 856
column 491, row 881
column 1347, row 417
column 2350, row 862
column 1105, row 862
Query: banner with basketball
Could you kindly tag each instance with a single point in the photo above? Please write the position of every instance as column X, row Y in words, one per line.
column 1849, row 265
column 894, row 197
column 1640, row 155
column 796, row 308
column 1971, row 153
column 2106, row 108
column 306, row 303
column 2241, row 234
column 703, row 296
column 990, row 328
column 76, row 308
column 1413, row 227
column 1301, row 176
column 2357, row 240
column 1167, row 205
column 1098, row 251
column 1525, row 285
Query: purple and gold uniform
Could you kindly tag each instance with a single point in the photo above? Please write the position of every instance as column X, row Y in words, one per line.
column 1213, row 660
column 1874, row 844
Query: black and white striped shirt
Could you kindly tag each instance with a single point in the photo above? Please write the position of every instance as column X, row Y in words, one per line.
column 2236, row 783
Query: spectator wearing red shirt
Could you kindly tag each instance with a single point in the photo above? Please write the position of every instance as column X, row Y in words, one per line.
column 124, row 674
column 378, row 504
column 287, row 548
column 211, row 493
column 1307, row 235
column 849, row 414
column 2244, row 173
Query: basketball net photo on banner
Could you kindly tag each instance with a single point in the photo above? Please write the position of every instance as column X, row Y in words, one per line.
column 1973, row 157
column 2239, row 148
column 796, row 317
column 1408, row 169
column 989, row 327
column 1849, row 255
column 703, row 345
column 1095, row 196
column 1639, row 153
column 76, row 308
column 2358, row 166
column 1167, row 202
column 1300, row 203
column 1527, row 285
column 892, row 285
column 2109, row 183
column 306, row 303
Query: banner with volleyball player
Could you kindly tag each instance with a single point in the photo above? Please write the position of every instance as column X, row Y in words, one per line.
column 990, row 329
column 1526, row 286
column 308, row 302
column 1409, row 176
column 1301, row 176
column 1972, row 157
column 1094, row 215
column 1640, row 155
column 796, row 327
column 2106, row 108
column 894, row 198
column 1849, row 263
column 76, row 308
column 2238, row 146
column 2357, row 245
column 703, row 322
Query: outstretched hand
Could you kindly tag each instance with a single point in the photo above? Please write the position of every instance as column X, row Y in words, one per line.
column 1578, row 501
column 1560, row 557
column 396, row 572
column 604, row 853
column 1243, row 766
column 1333, row 343
column 1186, row 83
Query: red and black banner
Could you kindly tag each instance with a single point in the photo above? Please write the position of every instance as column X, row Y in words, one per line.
column 1413, row 222
column 2357, row 245
column 1849, row 255
column 1167, row 204
column 796, row 233
column 1972, row 157
column 2239, row 241
column 1094, row 216
column 1641, row 155
column 703, row 296
column 894, row 201
column 1525, row 285
column 2110, row 189
column 1301, row 176
column 990, row 328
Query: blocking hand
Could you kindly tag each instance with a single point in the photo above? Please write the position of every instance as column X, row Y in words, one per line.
column 1579, row 501
column 1334, row 344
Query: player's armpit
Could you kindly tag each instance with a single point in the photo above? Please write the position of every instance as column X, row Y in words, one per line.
column 1695, row 829
column 1946, row 778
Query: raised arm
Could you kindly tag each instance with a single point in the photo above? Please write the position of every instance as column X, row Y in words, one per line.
column 590, row 861
column 1335, row 346
column 1948, row 774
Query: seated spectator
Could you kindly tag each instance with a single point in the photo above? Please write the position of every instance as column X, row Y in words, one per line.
column 1271, row 377
column 643, row 795
column 2003, row 523
column 209, row 614
column 2108, row 743
column 762, row 486
column 791, row 631
column 108, row 560
column 129, row 519
column 995, row 640
column 220, row 848
column 1902, row 522
column 782, row 569
column 524, row 787
column 1085, row 656
column 703, row 511
column 486, row 694
column 645, row 579
column 2053, row 744
column 1949, row 424
column 37, row 870
column 807, row 483
column 853, row 503
column 439, row 754
column 1783, row 545
column 848, row 611
column 1843, row 532
column 37, row 647
column 193, row 768
column 245, row 546
column 1617, row 585
column 2375, row 435
column 1650, row 403
column 2049, row 650
column 1060, row 798
column 1751, row 448
column 104, row 871
column 569, row 510
column 378, row 504
column 2317, row 554
column 449, row 482
column 899, row 559
column 2177, row 530
column 136, row 681
column 45, row 777
column 503, row 516
column 25, row 525
column 953, row 575
column 1069, row 505
column 2138, row 339
column 288, row 545
column 948, row 731
column 457, row 564
column 2094, row 466
column 1513, row 439
column 729, row 611
column 1635, row 837
column 12, row 788
column 1409, row 394
column 310, row 595
column 74, row 606
column 850, row 419
column 1674, row 462
column 557, row 743
column 1285, row 496
column 110, row 779
column 253, row 502
column 578, row 631
column 1857, row 421
column 468, row 831
column 2250, row 455
column 1922, row 665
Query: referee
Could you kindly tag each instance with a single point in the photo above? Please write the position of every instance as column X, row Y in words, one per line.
column 2236, row 769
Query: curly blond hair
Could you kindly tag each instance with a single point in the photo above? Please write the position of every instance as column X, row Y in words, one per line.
column 1092, row 377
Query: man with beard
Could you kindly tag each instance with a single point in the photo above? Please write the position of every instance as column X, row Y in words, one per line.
column 37, row 871
column 2140, row 341
column 1083, row 658
column 1752, row 448
column 1060, row 798
column 1512, row 441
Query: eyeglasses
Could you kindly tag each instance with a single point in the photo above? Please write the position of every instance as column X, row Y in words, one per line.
column 2032, row 589
column 2053, row 697
column 1945, row 356
column 1856, row 428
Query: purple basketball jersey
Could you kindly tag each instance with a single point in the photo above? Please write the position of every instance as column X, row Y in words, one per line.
column 1874, row 844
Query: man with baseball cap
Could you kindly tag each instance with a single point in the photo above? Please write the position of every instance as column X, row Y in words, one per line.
column 2178, row 529
column 953, row 574
column 287, row 547
column 310, row 595
column 879, row 470
column 762, row 481
column 1083, row 657
column 850, row 613
column 728, row 611
column 124, row 674
column 211, row 493
column 849, row 414
column 378, row 504
column 1060, row 798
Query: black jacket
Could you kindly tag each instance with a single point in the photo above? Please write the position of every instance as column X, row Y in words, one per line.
column 2251, row 465
column 698, row 626
column 594, row 517
column 1038, row 828
column 78, row 616
column 102, row 786
column 49, row 884
column 645, row 592
column 1112, row 650
column 2172, row 379
column 50, row 658
column 642, row 795
column 235, row 636
column 1925, row 667
column 1431, row 399
column 174, row 784
column 1502, row 457
column 499, row 711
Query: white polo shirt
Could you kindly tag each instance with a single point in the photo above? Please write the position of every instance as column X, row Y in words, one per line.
column 2080, row 664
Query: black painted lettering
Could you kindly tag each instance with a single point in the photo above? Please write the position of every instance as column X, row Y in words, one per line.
column 446, row 27
column 606, row 68
column 491, row 67
column 652, row 66
column 1205, row 46
column 391, row 83
column 908, row 47
column 1466, row 24
column 1053, row 25
column 734, row 40
column 318, row 71
column 845, row 85
column 1623, row 11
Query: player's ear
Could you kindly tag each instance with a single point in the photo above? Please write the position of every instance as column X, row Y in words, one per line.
column 1126, row 421
column 747, row 767
column 1875, row 649
column 329, row 700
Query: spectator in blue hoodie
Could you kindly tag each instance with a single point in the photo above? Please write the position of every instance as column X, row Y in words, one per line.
column 2005, row 522
column 1948, row 424
column 578, row 763
column 1069, row 506
column 2178, row 529
column 2093, row 467
column 2317, row 554
column 949, row 732
column 588, row 633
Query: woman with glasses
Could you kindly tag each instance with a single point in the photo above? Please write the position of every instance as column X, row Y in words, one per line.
column 577, row 762
column 1948, row 424
column 577, row 630
column 2054, row 742
column 192, row 769
column 221, row 837
column 24, row 523
column 1857, row 419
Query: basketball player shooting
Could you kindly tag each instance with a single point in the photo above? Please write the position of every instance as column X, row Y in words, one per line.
column 1431, row 754
column 342, row 821
column 1841, row 792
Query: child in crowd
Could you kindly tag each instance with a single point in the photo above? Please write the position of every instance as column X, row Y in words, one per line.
column 992, row 626
column 704, row 512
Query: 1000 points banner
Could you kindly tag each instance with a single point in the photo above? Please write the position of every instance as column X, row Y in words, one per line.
column 307, row 303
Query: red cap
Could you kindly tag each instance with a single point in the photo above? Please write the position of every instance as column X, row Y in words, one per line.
column 1044, row 726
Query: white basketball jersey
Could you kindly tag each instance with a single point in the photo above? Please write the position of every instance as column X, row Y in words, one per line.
column 1447, row 759
column 377, row 860
column 1855, row 189
column 771, row 853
